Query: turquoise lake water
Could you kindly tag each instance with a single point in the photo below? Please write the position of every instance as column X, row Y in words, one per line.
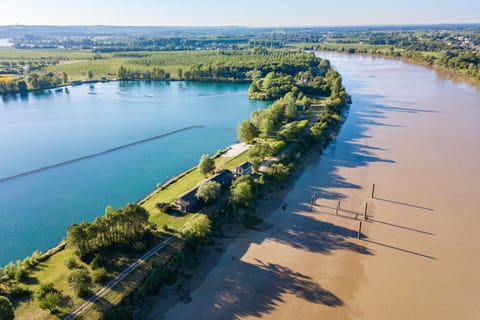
column 39, row 130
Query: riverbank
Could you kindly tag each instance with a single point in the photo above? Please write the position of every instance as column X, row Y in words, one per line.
column 421, row 227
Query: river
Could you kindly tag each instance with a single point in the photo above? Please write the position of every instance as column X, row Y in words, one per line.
column 42, row 129
column 413, row 133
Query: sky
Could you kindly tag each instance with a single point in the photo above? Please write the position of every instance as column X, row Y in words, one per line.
column 259, row 13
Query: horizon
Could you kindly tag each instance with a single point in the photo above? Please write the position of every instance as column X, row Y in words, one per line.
column 439, row 24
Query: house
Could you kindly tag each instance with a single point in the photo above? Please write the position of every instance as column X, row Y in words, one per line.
column 244, row 168
column 224, row 177
column 188, row 201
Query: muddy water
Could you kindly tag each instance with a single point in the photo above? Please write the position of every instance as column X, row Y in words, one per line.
column 416, row 136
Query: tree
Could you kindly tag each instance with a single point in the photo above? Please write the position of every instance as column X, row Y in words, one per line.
column 6, row 309
column 196, row 232
column 242, row 195
column 48, row 297
column 266, row 127
column 208, row 191
column 80, row 281
column 206, row 164
column 22, row 86
column 258, row 153
column 90, row 74
column 65, row 77
column 246, row 131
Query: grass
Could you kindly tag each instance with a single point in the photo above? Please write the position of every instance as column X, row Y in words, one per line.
column 52, row 270
column 129, row 284
column 183, row 184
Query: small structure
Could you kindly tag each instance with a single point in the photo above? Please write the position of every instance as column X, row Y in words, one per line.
column 243, row 169
column 188, row 201
column 265, row 166
column 223, row 177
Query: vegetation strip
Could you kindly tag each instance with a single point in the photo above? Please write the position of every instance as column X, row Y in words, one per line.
column 102, row 292
column 97, row 154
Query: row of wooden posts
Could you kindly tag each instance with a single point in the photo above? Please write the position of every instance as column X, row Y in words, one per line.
column 365, row 213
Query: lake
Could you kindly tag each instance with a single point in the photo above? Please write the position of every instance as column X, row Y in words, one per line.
column 41, row 129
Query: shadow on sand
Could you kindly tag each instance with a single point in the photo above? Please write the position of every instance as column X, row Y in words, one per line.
column 271, row 281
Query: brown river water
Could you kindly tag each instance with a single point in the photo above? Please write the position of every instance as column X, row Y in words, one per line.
column 416, row 135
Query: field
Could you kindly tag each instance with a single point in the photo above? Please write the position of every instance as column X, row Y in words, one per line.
column 77, row 63
column 8, row 77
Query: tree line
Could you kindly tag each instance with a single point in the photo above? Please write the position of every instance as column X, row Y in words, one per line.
column 125, row 228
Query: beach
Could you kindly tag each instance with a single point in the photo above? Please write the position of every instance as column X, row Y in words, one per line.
column 418, row 255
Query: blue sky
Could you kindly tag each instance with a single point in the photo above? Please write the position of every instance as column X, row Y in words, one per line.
column 240, row 12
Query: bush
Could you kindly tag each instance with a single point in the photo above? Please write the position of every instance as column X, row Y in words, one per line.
column 98, row 262
column 51, row 301
column 16, row 271
column 99, row 275
column 6, row 309
column 196, row 232
column 71, row 263
column 139, row 246
column 48, row 297
column 80, row 281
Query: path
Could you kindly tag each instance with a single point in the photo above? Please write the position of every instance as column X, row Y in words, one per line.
column 109, row 286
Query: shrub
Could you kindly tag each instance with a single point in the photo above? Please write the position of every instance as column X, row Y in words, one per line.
column 98, row 262
column 6, row 309
column 48, row 297
column 196, row 232
column 51, row 301
column 99, row 275
column 80, row 281
column 71, row 263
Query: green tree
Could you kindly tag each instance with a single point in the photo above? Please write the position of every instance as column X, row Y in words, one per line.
column 51, row 301
column 65, row 78
column 196, row 232
column 90, row 74
column 266, row 127
column 6, row 309
column 206, row 164
column 246, row 131
column 242, row 195
column 22, row 86
column 209, row 191
column 258, row 153
column 80, row 281
column 48, row 297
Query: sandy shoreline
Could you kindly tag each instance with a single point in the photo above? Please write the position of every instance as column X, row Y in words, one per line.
column 419, row 258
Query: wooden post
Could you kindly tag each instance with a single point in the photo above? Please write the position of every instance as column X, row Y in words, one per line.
column 338, row 207
column 373, row 191
column 365, row 216
column 359, row 234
